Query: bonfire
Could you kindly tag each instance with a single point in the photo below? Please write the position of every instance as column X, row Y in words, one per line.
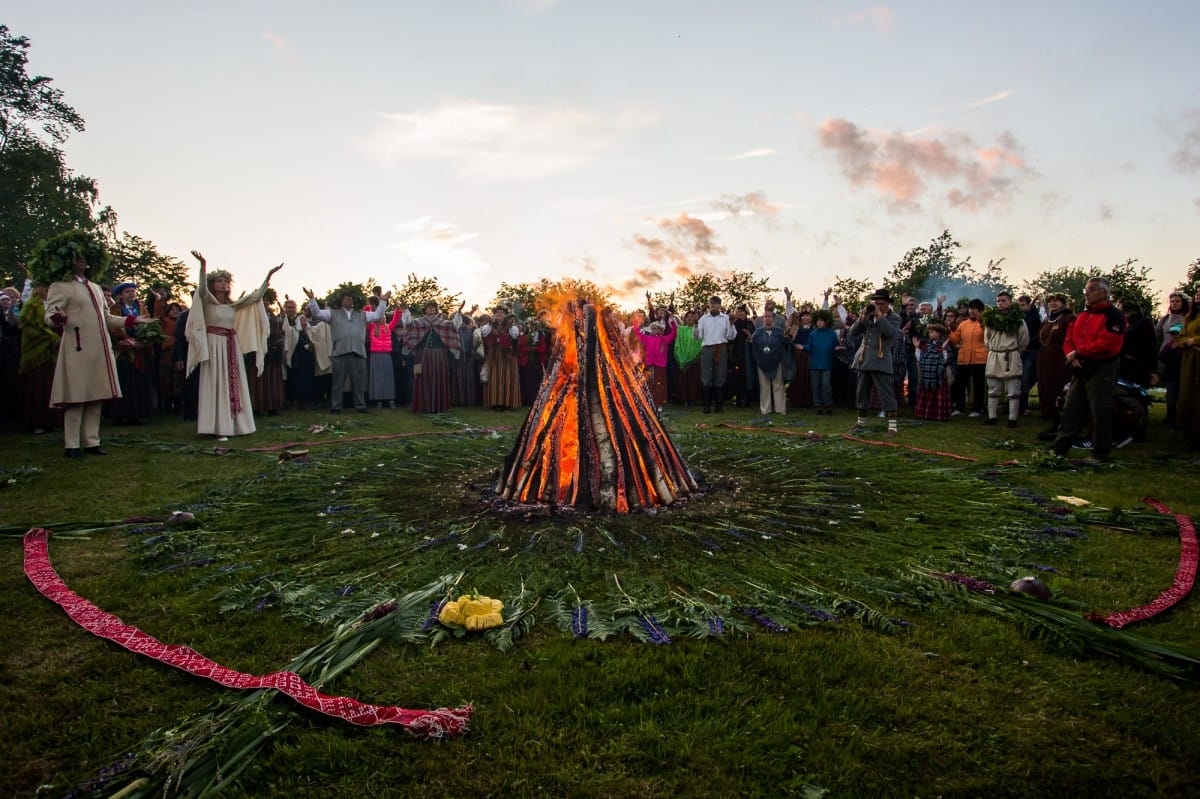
column 593, row 439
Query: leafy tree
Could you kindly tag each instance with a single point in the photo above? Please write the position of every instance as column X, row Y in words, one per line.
column 417, row 291
column 356, row 290
column 40, row 196
column 527, row 299
column 937, row 270
column 25, row 100
column 1192, row 282
column 1126, row 281
column 852, row 292
column 137, row 260
column 734, row 289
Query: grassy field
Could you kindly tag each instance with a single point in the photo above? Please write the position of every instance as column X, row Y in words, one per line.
column 889, row 681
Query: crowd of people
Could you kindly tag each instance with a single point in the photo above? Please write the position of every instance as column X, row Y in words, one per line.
column 73, row 351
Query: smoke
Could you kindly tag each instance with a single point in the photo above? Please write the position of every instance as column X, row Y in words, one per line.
column 902, row 168
column 1187, row 154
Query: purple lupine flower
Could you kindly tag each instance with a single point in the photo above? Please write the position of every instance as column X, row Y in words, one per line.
column 901, row 622
column 972, row 584
column 763, row 620
column 579, row 621
column 655, row 634
column 1043, row 567
column 264, row 603
column 816, row 613
column 435, row 612
column 716, row 625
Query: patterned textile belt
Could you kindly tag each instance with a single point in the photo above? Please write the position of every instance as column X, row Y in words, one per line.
column 423, row 723
column 234, row 357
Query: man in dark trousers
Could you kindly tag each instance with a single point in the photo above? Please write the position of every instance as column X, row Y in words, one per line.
column 1093, row 350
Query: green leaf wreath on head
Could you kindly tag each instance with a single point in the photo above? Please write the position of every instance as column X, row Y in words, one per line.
column 1009, row 321
column 53, row 259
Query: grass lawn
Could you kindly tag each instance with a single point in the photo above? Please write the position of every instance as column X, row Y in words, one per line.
column 888, row 681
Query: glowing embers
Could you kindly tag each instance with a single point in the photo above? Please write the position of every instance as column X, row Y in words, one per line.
column 592, row 439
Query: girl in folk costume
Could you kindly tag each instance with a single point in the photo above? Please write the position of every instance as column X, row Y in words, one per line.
column 687, row 355
column 533, row 351
column 136, row 368
column 1187, row 411
column 934, row 356
column 85, row 374
column 381, row 379
column 219, row 331
column 267, row 389
column 299, row 356
column 657, row 340
column 503, row 388
column 427, row 339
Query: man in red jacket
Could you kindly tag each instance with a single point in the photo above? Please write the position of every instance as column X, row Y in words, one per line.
column 1093, row 350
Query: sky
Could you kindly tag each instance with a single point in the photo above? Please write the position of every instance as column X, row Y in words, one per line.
column 633, row 144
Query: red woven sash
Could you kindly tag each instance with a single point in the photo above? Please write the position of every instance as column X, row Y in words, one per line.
column 1185, row 574
column 423, row 723
column 234, row 356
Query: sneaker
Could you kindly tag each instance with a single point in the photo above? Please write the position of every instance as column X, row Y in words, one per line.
column 1083, row 444
column 1125, row 443
column 974, row 415
column 956, row 413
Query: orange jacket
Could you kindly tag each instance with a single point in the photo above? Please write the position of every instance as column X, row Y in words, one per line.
column 968, row 337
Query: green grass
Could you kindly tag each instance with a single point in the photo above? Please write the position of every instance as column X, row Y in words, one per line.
column 916, row 691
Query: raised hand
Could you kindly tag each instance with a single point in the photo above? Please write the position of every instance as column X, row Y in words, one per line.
column 274, row 269
column 196, row 254
column 309, row 293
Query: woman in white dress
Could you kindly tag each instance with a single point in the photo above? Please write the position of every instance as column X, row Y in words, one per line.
column 220, row 330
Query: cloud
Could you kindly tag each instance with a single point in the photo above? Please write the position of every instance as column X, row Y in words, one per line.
column 284, row 49
column 489, row 142
column 761, row 152
column 754, row 204
column 1187, row 151
column 533, row 6
column 879, row 16
column 995, row 98
column 686, row 246
column 431, row 247
column 900, row 168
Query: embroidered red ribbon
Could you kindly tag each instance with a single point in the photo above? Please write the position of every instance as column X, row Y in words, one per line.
column 1185, row 574
column 423, row 723
column 234, row 356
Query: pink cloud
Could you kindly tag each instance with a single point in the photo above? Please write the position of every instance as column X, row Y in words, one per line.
column 901, row 168
column 686, row 247
column 754, row 204
column 879, row 16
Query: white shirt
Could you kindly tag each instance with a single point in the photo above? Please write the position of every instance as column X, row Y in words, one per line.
column 714, row 329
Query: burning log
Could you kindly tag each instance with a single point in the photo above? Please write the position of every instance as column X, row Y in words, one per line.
column 592, row 439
